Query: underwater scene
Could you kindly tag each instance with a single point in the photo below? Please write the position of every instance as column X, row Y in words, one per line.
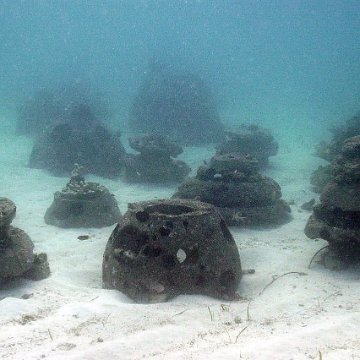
column 180, row 179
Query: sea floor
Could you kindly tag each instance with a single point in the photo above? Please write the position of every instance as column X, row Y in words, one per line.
column 309, row 313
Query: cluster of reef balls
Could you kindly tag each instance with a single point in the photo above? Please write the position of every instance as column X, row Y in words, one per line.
column 164, row 248
column 16, row 249
column 69, row 125
column 337, row 217
column 232, row 183
column 160, row 249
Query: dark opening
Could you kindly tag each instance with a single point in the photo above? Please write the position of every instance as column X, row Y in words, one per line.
column 168, row 261
column 131, row 238
column 164, row 231
column 193, row 255
column 142, row 216
column 151, row 251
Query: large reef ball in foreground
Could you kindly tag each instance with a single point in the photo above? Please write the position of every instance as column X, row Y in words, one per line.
column 164, row 248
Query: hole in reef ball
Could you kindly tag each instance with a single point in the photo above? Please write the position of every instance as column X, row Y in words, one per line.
column 151, row 251
column 181, row 255
column 142, row 216
column 193, row 255
column 164, row 231
column 168, row 261
column 130, row 238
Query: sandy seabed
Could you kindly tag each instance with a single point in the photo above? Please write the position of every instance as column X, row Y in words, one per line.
column 314, row 315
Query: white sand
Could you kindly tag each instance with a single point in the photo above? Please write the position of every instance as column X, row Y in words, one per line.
column 69, row 315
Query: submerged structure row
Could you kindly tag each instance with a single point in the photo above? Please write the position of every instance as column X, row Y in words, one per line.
column 163, row 248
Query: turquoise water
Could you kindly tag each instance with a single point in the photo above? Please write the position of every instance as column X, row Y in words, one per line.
column 292, row 66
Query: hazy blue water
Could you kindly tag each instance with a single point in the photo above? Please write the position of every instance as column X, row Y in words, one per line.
column 289, row 64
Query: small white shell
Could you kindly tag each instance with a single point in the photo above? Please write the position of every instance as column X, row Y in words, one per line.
column 181, row 255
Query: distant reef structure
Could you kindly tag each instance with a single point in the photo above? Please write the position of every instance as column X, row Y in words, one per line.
column 176, row 104
column 37, row 113
column 51, row 105
column 232, row 183
column 82, row 204
column 17, row 258
column 330, row 150
column 252, row 140
column 80, row 139
column 337, row 218
column 155, row 163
